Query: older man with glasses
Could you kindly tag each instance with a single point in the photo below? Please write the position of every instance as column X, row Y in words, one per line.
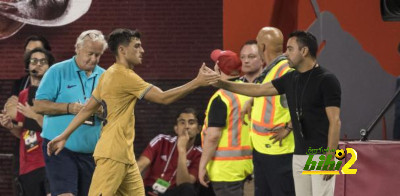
column 62, row 93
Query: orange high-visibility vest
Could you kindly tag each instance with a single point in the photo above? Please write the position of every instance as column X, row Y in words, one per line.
column 270, row 113
column 232, row 160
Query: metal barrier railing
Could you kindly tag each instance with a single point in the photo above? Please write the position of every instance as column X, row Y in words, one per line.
column 365, row 132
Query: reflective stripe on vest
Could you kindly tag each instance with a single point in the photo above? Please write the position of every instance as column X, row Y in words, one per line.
column 265, row 125
column 270, row 113
column 234, row 118
column 233, row 154
column 231, row 146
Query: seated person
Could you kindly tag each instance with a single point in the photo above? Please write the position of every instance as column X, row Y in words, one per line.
column 172, row 162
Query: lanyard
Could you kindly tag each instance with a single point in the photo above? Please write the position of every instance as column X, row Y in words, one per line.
column 299, row 100
column 299, row 106
column 169, row 159
column 83, row 87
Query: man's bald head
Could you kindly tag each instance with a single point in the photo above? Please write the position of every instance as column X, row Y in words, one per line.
column 270, row 42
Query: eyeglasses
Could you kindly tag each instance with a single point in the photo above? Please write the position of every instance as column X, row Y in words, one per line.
column 92, row 34
column 41, row 62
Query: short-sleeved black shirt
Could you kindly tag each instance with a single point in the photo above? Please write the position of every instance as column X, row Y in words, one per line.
column 310, row 92
column 217, row 113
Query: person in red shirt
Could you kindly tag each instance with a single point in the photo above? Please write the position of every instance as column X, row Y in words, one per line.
column 170, row 163
column 32, row 174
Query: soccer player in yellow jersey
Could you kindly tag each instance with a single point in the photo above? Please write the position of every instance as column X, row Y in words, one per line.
column 119, row 88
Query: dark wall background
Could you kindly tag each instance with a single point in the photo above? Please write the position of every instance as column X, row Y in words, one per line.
column 178, row 36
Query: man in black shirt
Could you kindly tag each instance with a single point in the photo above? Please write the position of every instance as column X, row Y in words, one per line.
column 313, row 95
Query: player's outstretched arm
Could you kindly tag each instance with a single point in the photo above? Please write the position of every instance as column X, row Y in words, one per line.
column 57, row 144
column 205, row 77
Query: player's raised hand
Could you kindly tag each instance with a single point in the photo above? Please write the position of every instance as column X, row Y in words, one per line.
column 206, row 76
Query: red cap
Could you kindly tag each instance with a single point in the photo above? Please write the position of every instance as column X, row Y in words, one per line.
column 228, row 61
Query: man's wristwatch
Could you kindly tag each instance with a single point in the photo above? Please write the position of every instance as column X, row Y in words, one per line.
column 287, row 127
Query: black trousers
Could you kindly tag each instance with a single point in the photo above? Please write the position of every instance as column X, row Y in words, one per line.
column 35, row 183
column 273, row 174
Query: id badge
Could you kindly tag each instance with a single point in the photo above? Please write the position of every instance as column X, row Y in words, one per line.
column 89, row 121
column 160, row 186
column 30, row 140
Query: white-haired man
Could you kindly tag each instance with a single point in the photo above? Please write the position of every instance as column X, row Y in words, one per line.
column 62, row 93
